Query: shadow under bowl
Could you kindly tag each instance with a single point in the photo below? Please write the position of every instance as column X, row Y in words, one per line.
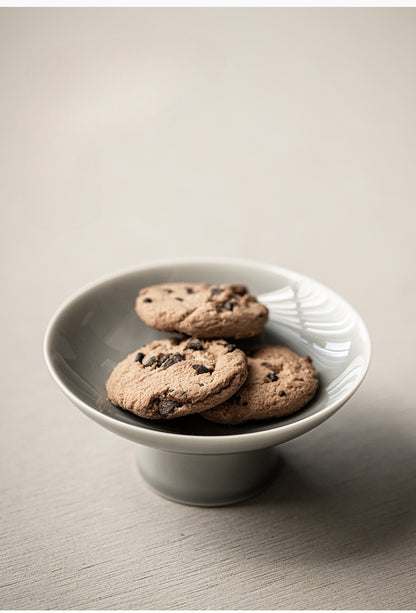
column 191, row 460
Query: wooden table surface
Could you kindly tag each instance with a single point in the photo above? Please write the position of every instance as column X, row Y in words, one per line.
column 281, row 135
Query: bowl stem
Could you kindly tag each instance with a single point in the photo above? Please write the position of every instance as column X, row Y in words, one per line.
column 207, row 480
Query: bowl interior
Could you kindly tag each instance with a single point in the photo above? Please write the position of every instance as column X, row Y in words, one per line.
column 99, row 327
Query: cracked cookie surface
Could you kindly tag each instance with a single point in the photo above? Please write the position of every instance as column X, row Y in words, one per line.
column 279, row 383
column 202, row 310
column 171, row 377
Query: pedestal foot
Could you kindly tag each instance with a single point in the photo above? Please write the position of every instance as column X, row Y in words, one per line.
column 207, row 480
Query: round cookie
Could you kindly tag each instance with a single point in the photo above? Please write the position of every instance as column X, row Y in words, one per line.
column 201, row 310
column 279, row 383
column 172, row 377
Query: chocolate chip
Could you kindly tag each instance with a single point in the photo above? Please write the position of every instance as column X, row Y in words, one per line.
column 139, row 357
column 195, row 345
column 171, row 359
column 272, row 376
column 166, row 289
column 241, row 290
column 201, row 384
column 245, row 404
column 215, row 291
column 201, row 369
column 166, row 406
column 229, row 305
column 266, row 364
column 189, row 290
column 150, row 362
column 231, row 347
column 299, row 379
column 147, row 300
column 180, row 299
column 282, row 393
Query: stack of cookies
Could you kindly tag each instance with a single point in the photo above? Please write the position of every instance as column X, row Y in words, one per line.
column 204, row 371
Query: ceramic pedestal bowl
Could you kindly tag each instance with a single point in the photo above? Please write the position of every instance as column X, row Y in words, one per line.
column 192, row 460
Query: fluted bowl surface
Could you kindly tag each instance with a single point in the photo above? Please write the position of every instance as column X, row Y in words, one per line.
column 97, row 327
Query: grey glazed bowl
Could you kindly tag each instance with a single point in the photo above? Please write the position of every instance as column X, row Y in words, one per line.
column 191, row 460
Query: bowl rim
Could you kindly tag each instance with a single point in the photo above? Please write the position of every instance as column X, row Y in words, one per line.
column 160, row 437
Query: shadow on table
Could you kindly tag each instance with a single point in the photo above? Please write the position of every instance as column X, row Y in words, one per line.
column 348, row 492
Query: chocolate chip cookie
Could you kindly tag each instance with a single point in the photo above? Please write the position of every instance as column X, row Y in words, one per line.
column 171, row 377
column 279, row 383
column 201, row 310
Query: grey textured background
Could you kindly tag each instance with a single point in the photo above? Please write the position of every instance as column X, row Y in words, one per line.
column 283, row 135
